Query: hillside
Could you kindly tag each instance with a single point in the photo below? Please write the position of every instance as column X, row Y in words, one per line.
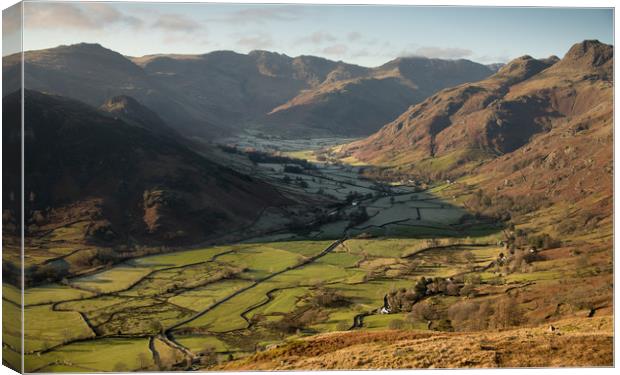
column 531, row 146
column 457, row 127
column 95, row 180
column 357, row 106
column 132, row 112
column 220, row 93
column 575, row 343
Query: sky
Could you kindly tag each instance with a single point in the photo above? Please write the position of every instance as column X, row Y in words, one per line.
column 364, row 35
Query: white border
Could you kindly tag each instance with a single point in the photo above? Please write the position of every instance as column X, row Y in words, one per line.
column 489, row 3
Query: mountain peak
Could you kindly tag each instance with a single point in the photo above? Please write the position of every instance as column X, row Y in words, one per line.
column 90, row 48
column 587, row 58
column 524, row 67
column 590, row 52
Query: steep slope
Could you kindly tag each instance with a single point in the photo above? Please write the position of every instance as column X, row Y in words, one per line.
column 359, row 105
column 452, row 131
column 125, row 181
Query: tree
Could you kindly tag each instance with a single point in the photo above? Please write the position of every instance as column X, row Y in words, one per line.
column 156, row 326
column 424, row 312
column 508, row 313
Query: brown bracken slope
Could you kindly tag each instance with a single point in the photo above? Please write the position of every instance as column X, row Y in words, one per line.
column 524, row 101
column 575, row 342
column 537, row 128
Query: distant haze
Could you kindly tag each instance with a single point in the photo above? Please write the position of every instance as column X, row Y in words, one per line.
column 364, row 35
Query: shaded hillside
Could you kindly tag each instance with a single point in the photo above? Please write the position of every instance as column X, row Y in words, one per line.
column 359, row 105
column 93, row 74
column 124, row 181
column 199, row 95
column 132, row 112
column 234, row 88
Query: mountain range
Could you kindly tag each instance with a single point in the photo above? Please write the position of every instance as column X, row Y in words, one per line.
column 223, row 92
column 120, row 159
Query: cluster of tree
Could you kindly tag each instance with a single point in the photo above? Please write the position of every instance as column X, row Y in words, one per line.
column 353, row 196
column 46, row 273
column 519, row 260
column 467, row 315
column 390, row 174
column 96, row 257
column 329, row 298
column 298, row 181
column 230, row 149
column 264, row 157
column 11, row 273
column 297, row 320
column 472, row 315
column 402, row 300
column 358, row 216
column 503, row 207
column 536, row 241
column 304, row 316
column 293, row 169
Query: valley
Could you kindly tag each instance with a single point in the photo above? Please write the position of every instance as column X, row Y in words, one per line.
column 234, row 299
column 293, row 275
column 230, row 211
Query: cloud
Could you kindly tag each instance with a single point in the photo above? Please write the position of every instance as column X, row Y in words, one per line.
column 176, row 23
column 336, row 49
column 493, row 59
column 263, row 14
column 354, row 36
column 317, row 37
column 443, row 53
column 83, row 16
column 258, row 41
column 11, row 19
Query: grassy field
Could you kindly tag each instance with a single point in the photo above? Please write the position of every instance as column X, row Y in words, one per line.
column 163, row 290
column 53, row 293
column 100, row 355
column 113, row 280
column 45, row 328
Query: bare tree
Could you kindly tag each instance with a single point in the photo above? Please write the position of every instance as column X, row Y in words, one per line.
column 507, row 313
